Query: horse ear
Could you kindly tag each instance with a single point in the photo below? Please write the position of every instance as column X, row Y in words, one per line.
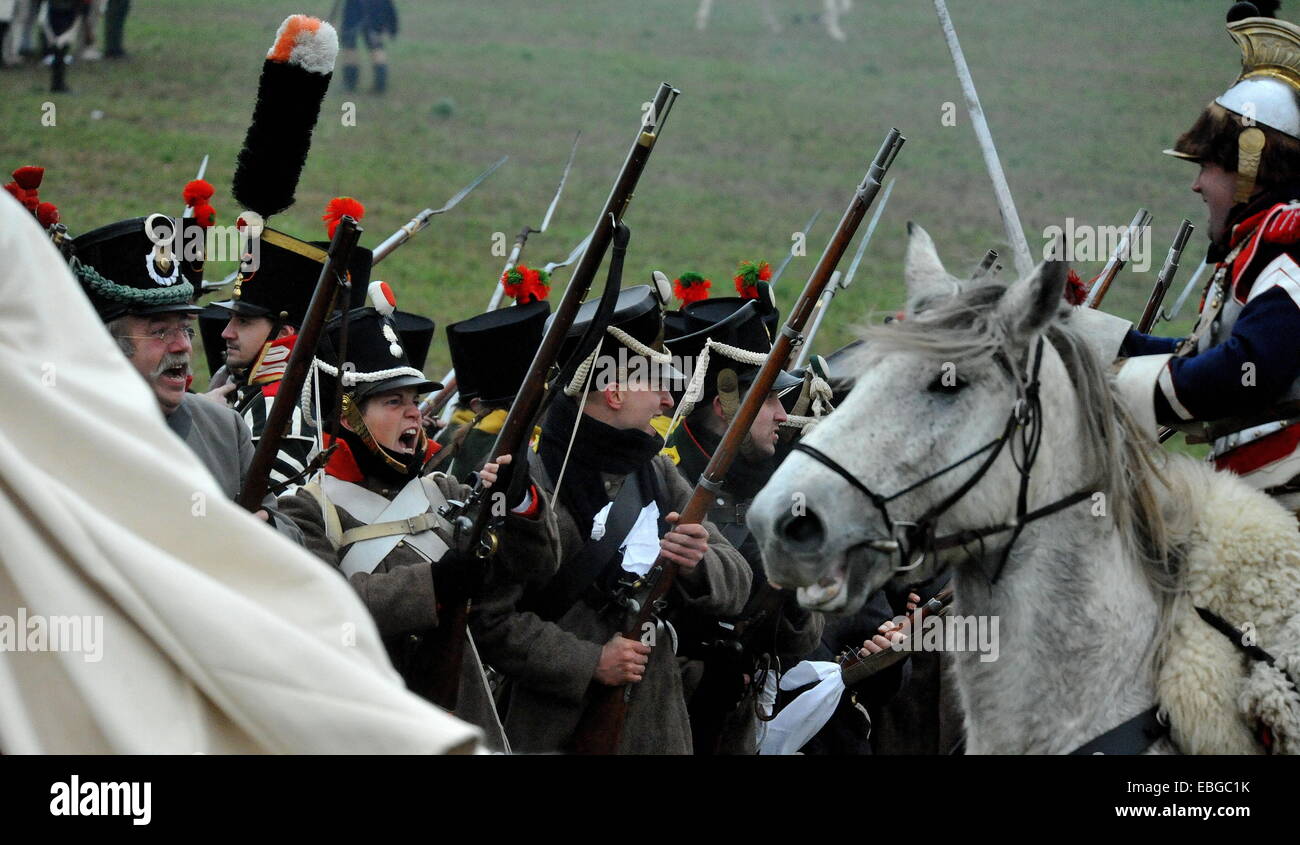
column 923, row 272
column 1033, row 302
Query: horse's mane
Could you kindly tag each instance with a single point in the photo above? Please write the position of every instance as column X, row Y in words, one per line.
column 1141, row 496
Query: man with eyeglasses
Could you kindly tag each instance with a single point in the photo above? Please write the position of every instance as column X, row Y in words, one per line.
column 144, row 294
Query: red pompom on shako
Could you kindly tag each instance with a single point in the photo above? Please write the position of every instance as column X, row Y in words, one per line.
column 748, row 275
column 196, row 194
column 337, row 209
column 24, row 188
column 691, row 287
column 524, row 284
column 47, row 214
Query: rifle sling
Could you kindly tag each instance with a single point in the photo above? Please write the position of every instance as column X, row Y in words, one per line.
column 574, row 577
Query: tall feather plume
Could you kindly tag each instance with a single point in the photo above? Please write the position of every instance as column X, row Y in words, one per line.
column 294, row 79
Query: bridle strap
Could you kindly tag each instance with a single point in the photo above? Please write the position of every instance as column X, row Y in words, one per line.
column 1026, row 418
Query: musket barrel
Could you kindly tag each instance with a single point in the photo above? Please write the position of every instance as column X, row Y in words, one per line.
column 1117, row 260
column 1165, row 278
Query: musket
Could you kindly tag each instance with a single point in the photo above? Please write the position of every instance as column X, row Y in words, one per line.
column 1118, row 258
column 1165, row 277
column 807, row 227
column 854, row 668
column 986, row 264
column 421, row 221
column 328, row 286
column 476, row 521
column 838, row 282
column 600, row 729
column 1001, row 191
column 1170, row 316
column 522, row 237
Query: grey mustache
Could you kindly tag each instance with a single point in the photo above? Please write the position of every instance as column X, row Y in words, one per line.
column 171, row 359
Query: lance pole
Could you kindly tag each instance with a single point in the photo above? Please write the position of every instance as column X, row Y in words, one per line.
column 1002, row 191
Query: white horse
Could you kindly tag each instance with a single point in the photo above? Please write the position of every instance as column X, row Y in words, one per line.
column 984, row 434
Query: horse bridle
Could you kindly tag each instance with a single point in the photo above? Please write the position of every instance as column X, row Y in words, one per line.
column 918, row 538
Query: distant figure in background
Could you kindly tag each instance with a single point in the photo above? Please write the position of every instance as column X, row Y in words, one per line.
column 90, row 51
column 371, row 19
column 58, row 20
column 115, row 12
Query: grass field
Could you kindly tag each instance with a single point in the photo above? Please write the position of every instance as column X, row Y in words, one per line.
column 1081, row 96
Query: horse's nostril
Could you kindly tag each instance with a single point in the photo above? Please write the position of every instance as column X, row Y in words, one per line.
column 803, row 532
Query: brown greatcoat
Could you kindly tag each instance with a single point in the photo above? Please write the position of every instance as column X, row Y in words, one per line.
column 400, row 592
column 551, row 664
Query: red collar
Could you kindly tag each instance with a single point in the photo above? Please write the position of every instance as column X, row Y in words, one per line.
column 1248, row 227
column 343, row 464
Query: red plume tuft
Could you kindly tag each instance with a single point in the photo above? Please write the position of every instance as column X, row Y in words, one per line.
column 197, row 191
column 748, row 275
column 204, row 214
column 337, row 208
column 29, row 177
column 691, row 287
column 47, row 214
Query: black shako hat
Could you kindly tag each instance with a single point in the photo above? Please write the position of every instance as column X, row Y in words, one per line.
column 285, row 277
column 377, row 359
column 728, row 333
column 635, row 329
column 124, row 271
column 765, row 299
column 416, row 333
column 491, row 352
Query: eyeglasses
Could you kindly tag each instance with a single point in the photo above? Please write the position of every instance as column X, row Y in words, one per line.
column 165, row 335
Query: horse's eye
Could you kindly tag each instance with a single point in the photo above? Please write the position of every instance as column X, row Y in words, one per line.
column 947, row 382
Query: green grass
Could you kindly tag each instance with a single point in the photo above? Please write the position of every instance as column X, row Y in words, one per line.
column 1080, row 96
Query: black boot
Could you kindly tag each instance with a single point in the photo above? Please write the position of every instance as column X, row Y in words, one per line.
column 350, row 76
column 58, row 77
column 381, row 79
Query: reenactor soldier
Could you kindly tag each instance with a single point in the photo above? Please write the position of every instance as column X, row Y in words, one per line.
column 1237, row 376
column 616, row 506
column 262, row 318
column 728, row 342
column 373, row 513
column 143, row 292
column 491, row 354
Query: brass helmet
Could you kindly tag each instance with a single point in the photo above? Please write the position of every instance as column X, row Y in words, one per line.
column 1253, row 128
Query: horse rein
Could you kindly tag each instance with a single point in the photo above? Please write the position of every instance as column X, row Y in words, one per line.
column 919, row 540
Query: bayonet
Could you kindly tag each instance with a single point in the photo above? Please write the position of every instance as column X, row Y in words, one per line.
column 838, row 282
column 1170, row 316
column 522, row 237
column 807, row 227
column 421, row 221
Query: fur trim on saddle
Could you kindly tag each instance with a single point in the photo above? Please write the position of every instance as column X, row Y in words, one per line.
column 1243, row 563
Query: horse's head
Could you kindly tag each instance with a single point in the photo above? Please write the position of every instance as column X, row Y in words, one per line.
column 933, row 390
